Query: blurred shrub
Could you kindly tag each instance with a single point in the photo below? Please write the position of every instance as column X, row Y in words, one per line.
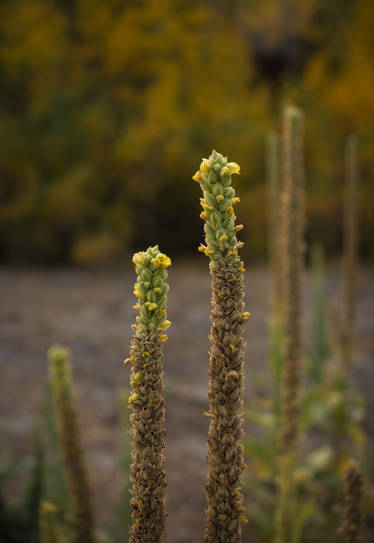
column 106, row 107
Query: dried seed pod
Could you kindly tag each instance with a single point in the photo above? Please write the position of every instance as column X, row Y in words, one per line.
column 225, row 451
column 147, row 405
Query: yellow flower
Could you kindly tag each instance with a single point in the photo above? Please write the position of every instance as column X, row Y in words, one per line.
column 137, row 377
column 137, row 292
column 235, row 200
column 245, row 316
column 225, row 171
column 241, row 269
column 161, row 261
column 219, row 198
column 157, row 290
column 203, row 215
column 238, row 227
column 151, row 306
column 201, row 248
column 233, row 168
column 230, row 210
column 204, row 166
column 164, row 338
column 197, row 177
column 223, row 238
column 165, row 325
column 133, row 398
column 138, row 258
column 239, row 245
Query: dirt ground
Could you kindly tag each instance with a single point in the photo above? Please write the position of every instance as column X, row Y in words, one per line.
column 91, row 312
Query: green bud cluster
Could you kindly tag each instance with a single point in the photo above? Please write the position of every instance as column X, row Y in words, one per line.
column 218, row 203
column 151, row 290
column 60, row 359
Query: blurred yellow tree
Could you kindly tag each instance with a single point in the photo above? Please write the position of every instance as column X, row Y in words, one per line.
column 105, row 107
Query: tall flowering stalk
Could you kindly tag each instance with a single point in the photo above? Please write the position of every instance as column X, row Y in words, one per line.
column 273, row 180
column 81, row 517
column 225, row 452
column 353, row 519
column 147, row 405
column 350, row 247
column 292, row 251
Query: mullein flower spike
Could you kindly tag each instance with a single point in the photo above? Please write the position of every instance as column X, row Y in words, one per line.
column 225, row 452
column 147, row 405
column 81, row 518
column 218, row 203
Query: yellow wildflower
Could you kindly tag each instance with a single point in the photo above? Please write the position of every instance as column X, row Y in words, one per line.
column 204, row 166
column 165, row 325
column 197, row 177
column 137, row 291
column 161, row 261
column 138, row 258
column 151, row 305
column 233, row 168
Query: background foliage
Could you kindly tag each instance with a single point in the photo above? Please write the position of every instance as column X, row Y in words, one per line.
column 107, row 107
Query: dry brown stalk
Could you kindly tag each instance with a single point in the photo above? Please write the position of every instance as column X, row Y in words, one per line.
column 274, row 219
column 292, row 225
column 350, row 240
column 353, row 519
